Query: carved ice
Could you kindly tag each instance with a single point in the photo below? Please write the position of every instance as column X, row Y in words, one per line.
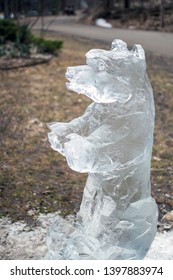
column 112, row 141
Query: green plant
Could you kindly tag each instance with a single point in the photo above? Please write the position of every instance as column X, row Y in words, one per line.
column 2, row 50
column 17, row 40
column 23, row 35
column 47, row 46
column 23, row 49
column 13, row 32
column 8, row 30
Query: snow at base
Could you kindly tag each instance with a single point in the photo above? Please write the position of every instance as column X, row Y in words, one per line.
column 18, row 241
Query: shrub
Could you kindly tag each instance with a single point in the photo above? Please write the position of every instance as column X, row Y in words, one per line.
column 23, row 40
column 11, row 31
column 23, row 36
column 8, row 31
column 47, row 46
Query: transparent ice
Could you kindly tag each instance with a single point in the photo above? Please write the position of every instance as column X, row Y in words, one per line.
column 112, row 141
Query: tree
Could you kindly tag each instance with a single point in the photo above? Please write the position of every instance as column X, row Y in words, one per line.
column 6, row 9
column 108, row 5
column 126, row 4
column 162, row 10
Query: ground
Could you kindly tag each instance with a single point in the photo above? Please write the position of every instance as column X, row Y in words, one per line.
column 33, row 177
column 19, row 241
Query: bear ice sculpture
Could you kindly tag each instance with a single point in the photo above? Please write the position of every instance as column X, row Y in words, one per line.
column 112, row 141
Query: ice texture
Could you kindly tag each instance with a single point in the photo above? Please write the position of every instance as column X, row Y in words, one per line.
column 112, row 141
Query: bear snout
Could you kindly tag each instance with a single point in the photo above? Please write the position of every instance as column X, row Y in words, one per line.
column 70, row 73
column 74, row 72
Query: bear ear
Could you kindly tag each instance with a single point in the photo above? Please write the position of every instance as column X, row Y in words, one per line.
column 138, row 51
column 118, row 45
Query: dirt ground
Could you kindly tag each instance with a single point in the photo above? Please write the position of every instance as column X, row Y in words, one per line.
column 33, row 177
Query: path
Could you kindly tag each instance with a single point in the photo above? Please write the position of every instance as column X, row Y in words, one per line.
column 161, row 43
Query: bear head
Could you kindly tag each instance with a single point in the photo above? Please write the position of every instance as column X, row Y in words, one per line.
column 109, row 76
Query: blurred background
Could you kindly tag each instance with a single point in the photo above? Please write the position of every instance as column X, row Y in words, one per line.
column 154, row 14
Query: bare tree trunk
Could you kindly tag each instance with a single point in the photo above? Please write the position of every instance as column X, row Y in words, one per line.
column 141, row 4
column 16, row 10
column 108, row 4
column 63, row 3
column 126, row 8
column 6, row 10
column 42, row 18
column 162, row 12
column 126, row 4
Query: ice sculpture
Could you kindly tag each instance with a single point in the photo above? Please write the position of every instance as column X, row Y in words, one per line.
column 112, row 141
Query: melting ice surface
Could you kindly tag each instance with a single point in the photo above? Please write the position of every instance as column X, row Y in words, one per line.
column 112, row 141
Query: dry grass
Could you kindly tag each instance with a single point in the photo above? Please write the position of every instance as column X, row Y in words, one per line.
column 33, row 176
